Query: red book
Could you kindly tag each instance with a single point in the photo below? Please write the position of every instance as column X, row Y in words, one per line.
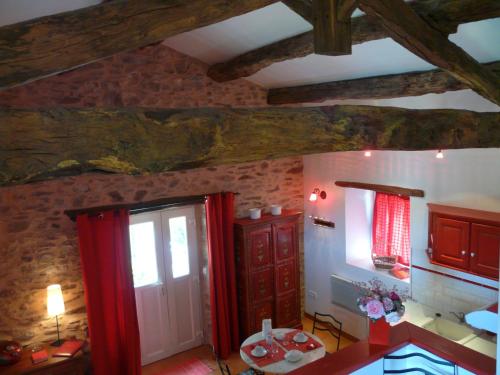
column 68, row 348
column 40, row 356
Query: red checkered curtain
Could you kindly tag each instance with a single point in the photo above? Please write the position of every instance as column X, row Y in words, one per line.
column 391, row 226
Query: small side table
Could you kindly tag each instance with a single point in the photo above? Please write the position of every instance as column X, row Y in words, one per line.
column 75, row 365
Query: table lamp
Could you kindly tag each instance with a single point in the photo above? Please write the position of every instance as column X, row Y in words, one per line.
column 55, row 306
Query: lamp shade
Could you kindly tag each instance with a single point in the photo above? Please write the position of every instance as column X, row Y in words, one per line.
column 55, row 301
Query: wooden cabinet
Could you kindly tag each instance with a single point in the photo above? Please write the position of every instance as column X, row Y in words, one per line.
column 465, row 239
column 267, row 256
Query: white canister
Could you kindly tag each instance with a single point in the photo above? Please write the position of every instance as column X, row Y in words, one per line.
column 275, row 209
column 255, row 213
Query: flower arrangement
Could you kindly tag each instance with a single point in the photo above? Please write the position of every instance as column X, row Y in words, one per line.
column 378, row 301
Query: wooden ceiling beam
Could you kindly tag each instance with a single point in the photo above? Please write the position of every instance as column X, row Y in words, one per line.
column 332, row 26
column 377, row 87
column 39, row 145
column 48, row 45
column 444, row 15
column 410, row 30
column 302, row 7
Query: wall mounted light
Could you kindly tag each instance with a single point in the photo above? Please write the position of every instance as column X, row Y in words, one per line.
column 439, row 154
column 368, row 153
column 317, row 193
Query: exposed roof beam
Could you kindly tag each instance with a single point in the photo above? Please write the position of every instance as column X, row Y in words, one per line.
column 139, row 141
column 302, row 7
column 48, row 45
column 332, row 26
column 445, row 15
column 378, row 87
column 410, row 30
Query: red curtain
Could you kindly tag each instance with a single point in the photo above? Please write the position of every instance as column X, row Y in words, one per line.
column 109, row 293
column 222, row 271
column 391, row 226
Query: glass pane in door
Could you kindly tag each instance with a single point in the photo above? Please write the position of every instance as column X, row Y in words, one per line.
column 143, row 249
column 179, row 246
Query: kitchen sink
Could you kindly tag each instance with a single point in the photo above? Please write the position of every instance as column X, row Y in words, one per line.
column 460, row 333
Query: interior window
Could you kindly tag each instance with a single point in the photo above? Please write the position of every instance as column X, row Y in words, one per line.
column 143, row 249
column 179, row 246
column 378, row 225
column 391, row 227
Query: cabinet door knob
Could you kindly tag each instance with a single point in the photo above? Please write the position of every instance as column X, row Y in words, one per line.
column 472, row 255
column 464, row 252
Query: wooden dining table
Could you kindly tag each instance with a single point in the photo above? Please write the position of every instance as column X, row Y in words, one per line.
column 282, row 366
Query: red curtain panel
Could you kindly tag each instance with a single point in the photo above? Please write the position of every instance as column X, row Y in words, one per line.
column 222, row 270
column 109, row 293
column 391, row 226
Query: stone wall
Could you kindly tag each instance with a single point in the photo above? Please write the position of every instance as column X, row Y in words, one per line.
column 154, row 76
column 38, row 243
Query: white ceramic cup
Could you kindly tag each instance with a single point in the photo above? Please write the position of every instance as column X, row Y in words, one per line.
column 255, row 213
column 275, row 209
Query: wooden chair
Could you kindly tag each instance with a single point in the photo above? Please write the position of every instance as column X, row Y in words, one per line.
column 326, row 322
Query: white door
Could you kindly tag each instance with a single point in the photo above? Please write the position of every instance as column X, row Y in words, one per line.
column 166, row 279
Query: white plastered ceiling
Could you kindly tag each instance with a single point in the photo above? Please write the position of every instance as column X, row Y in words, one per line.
column 225, row 40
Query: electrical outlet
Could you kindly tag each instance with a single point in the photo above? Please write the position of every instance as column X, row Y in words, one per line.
column 312, row 294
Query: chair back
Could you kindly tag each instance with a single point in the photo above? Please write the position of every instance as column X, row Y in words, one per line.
column 326, row 322
column 223, row 366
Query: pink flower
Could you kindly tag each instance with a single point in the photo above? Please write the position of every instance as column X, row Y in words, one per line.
column 388, row 304
column 375, row 309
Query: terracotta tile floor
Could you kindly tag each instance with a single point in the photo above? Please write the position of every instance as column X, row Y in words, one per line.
column 235, row 363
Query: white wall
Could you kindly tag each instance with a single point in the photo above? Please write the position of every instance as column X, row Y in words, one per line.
column 467, row 178
column 13, row 11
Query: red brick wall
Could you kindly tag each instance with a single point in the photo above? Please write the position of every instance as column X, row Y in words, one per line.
column 38, row 243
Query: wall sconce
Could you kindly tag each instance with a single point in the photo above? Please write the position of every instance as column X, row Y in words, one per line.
column 315, row 193
column 440, row 154
column 55, row 306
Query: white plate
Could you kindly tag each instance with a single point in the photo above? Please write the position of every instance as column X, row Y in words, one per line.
column 299, row 339
column 259, row 354
column 294, row 355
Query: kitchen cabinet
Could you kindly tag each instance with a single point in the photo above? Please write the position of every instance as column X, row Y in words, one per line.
column 465, row 239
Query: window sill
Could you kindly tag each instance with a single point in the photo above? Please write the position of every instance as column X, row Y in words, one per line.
column 367, row 264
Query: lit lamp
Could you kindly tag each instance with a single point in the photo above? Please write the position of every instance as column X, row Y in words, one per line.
column 55, row 307
column 317, row 193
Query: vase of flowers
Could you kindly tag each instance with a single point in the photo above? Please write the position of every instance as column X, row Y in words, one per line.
column 382, row 306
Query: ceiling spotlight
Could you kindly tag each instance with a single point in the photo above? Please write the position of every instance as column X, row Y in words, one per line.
column 317, row 193
column 440, row 155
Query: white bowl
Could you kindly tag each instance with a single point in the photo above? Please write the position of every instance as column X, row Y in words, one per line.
column 255, row 213
column 275, row 210
column 294, row 355
column 259, row 351
column 280, row 336
column 300, row 337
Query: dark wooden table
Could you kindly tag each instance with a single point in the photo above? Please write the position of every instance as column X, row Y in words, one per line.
column 75, row 365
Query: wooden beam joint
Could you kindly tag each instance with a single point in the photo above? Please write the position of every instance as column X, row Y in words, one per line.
column 332, row 26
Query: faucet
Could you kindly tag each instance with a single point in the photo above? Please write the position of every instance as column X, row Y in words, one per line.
column 460, row 316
